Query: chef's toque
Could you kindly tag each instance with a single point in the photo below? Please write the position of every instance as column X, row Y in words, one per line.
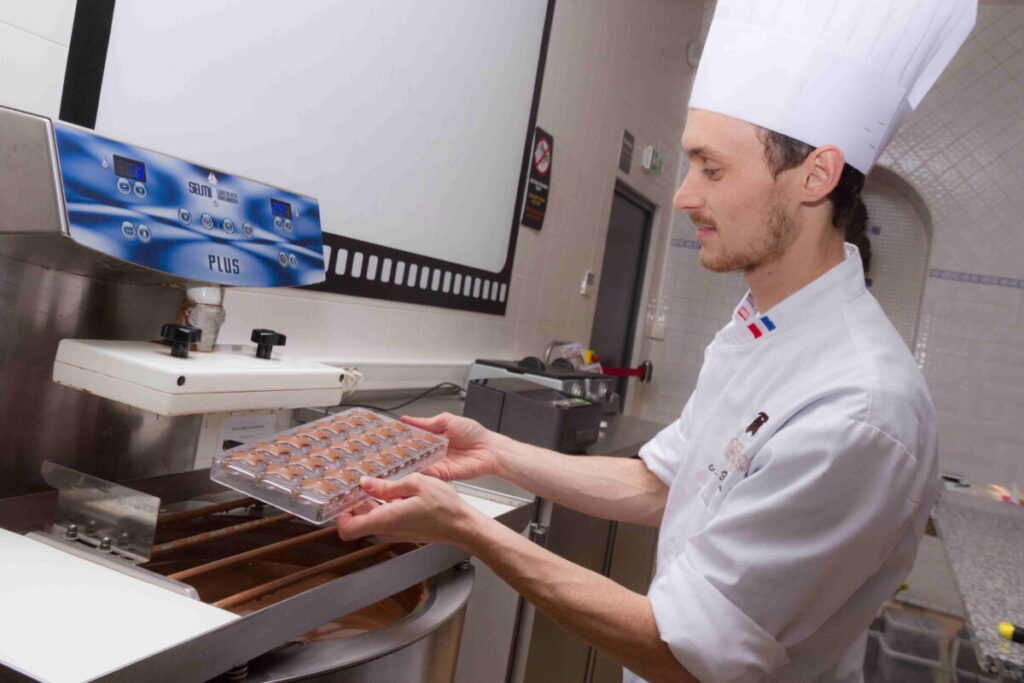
column 829, row 72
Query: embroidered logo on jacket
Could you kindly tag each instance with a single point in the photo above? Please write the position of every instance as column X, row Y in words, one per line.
column 737, row 461
column 734, row 451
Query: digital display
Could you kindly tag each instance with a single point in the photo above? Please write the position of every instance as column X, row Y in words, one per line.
column 127, row 168
column 282, row 209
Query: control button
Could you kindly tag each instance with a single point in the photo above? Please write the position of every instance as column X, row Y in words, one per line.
column 287, row 225
column 283, row 258
column 228, row 225
column 248, row 229
column 207, row 220
column 144, row 233
column 128, row 230
column 278, row 223
column 185, row 216
column 123, row 186
column 292, row 261
column 140, row 190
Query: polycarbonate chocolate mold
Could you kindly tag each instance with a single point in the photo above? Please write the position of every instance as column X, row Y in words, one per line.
column 313, row 471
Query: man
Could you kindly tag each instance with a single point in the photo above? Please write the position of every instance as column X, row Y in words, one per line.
column 792, row 491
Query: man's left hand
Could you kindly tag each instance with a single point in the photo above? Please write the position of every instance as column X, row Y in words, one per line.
column 417, row 508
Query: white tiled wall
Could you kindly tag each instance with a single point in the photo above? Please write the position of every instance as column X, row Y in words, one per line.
column 900, row 248
column 33, row 53
column 963, row 152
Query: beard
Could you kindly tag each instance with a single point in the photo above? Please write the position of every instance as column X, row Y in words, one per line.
column 765, row 249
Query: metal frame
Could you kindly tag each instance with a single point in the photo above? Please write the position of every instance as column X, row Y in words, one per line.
column 233, row 644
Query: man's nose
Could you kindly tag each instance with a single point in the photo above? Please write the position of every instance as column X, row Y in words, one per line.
column 687, row 198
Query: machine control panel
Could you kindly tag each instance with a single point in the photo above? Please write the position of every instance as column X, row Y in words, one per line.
column 171, row 215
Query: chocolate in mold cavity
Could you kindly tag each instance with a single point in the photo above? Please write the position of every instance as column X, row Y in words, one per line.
column 333, row 428
column 364, row 415
column 296, row 441
column 396, row 428
column 415, row 443
column 247, row 457
column 349, row 448
column 431, row 439
column 367, row 467
column 362, row 421
column 346, row 424
column 272, row 449
column 382, row 457
column 342, row 476
column 304, row 463
column 363, row 440
column 285, row 472
column 379, row 433
column 324, row 487
column 399, row 451
column 328, row 456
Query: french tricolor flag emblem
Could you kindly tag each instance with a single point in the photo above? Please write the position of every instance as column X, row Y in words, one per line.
column 761, row 327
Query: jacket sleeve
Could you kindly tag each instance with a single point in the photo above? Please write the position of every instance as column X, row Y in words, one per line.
column 787, row 547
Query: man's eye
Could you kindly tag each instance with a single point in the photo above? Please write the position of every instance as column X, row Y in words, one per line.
column 710, row 172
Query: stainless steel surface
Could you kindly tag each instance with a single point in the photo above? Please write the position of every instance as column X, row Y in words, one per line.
column 421, row 648
column 40, row 420
column 33, row 222
column 31, row 199
column 118, row 518
column 259, row 632
column 114, row 562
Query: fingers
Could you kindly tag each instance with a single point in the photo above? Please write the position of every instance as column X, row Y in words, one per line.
column 436, row 424
column 390, row 490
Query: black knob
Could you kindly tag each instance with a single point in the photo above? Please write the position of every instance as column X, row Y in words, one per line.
column 180, row 336
column 561, row 363
column 265, row 341
column 531, row 364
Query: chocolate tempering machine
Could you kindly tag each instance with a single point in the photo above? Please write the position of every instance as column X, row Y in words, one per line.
column 119, row 559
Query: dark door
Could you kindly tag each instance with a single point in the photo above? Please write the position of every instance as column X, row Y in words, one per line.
column 622, row 273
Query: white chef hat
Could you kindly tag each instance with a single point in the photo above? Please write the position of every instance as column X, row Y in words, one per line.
column 829, row 72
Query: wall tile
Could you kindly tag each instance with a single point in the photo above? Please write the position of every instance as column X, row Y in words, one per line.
column 33, row 71
column 49, row 19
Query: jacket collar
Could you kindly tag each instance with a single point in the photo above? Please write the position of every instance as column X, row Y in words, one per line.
column 837, row 286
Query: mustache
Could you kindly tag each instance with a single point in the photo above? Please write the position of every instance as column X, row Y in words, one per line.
column 703, row 220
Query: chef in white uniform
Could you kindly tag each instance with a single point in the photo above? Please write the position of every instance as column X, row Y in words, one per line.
column 793, row 490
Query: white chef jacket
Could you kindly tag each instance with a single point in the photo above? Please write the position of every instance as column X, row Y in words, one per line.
column 801, row 475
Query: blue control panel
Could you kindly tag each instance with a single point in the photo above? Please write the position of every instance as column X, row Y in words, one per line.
column 175, row 216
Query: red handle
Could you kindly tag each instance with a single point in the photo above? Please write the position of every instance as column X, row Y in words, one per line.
column 644, row 372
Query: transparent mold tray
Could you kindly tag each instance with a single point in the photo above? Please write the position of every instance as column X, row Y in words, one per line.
column 313, row 470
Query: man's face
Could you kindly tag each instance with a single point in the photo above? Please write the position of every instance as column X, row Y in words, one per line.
column 738, row 206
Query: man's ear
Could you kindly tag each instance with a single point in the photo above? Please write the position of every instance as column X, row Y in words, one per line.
column 822, row 170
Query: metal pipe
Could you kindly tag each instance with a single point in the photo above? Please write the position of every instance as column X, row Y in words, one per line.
column 170, row 546
column 184, row 515
column 246, row 595
column 252, row 554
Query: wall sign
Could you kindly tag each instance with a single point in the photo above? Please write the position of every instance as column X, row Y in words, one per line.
column 626, row 152
column 539, row 184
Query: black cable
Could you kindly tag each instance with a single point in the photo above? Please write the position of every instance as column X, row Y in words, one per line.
column 403, row 404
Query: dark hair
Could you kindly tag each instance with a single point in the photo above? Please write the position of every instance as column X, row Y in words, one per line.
column 857, row 232
column 783, row 153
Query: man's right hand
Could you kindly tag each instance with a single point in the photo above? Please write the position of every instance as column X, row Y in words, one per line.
column 472, row 449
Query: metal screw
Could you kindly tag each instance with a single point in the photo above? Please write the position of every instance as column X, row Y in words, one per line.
column 463, row 567
column 90, row 528
column 71, row 532
column 105, row 544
